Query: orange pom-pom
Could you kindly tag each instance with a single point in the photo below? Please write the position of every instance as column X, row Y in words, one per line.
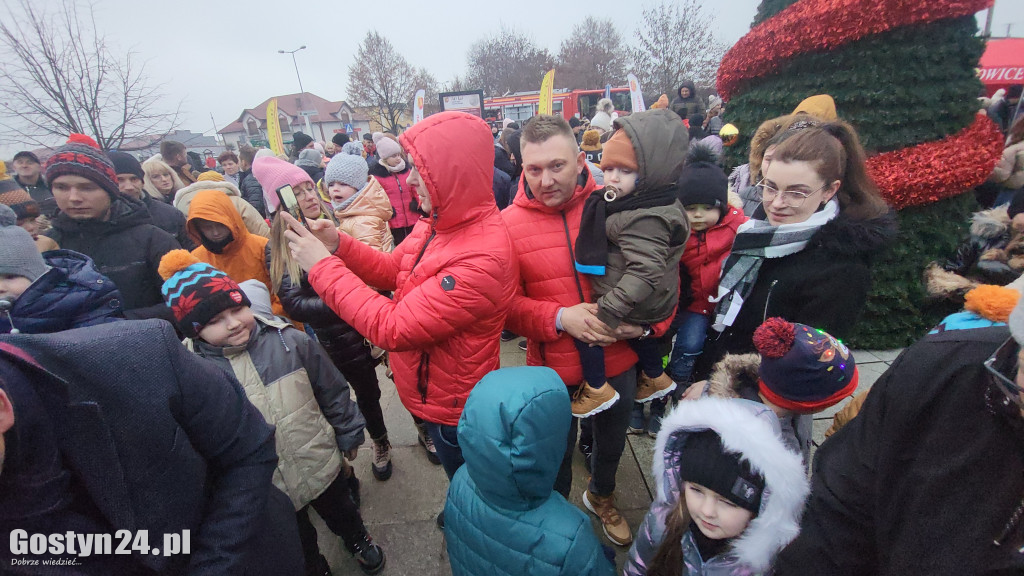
column 174, row 262
column 992, row 302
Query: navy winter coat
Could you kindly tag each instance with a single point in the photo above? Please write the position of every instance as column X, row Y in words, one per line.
column 71, row 294
column 162, row 440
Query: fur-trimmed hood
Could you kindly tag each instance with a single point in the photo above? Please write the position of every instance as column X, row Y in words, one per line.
column 735, row 376
column 185, row 194
column 848, row 237
column 751, row 430
column 990, row 224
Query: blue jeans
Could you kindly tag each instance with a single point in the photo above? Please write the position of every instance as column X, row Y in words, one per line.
column 687, row 347
column 446, row 442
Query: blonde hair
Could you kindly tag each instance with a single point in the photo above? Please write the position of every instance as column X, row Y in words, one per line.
column 281, row 261
column 155, row 165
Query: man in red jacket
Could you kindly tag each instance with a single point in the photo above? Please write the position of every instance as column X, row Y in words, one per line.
column 454, row 277
column 552, row 306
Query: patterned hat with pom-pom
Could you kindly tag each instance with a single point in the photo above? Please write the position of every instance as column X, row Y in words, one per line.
column 803, row 369
column 82, row 157
column 196, row 292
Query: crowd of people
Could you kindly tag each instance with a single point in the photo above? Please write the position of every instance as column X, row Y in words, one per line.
column 199, row 350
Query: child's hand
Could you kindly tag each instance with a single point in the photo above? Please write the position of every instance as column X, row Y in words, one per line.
column 695, row 391
column 350, row 455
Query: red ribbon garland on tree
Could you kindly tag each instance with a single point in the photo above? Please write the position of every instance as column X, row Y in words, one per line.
column 944, row 168
column 820, row 25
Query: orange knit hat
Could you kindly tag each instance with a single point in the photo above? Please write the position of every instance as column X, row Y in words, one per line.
column 619, row 153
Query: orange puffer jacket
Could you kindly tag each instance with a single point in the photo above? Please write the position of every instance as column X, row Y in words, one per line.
column 454, row 276
column 543, row 239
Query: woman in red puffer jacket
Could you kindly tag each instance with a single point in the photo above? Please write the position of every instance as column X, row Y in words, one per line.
column 453, row 278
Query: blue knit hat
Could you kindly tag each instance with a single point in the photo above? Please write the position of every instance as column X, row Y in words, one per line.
column 196, row 292
column 803, row 369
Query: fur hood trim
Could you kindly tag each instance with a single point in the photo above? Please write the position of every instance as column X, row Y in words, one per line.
column 845, row 236
column 991, row 223
column 225, row 187
column 730, row 372
column 752, row 430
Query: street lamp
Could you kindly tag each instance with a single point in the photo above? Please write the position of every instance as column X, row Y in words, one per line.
column 301, row 89
column 292, row 52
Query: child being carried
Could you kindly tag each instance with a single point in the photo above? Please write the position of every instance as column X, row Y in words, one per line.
column 632, row 235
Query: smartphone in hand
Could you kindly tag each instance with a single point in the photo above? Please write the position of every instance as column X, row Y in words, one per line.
column 290, row 203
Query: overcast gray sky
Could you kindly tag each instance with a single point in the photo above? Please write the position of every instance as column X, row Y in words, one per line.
column 220, row 57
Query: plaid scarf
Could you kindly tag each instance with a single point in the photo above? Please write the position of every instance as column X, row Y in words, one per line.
column 755, row 241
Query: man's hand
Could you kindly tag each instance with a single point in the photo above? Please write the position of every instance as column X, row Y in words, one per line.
column 582, row 324
column 306, row 248
column 350, row 455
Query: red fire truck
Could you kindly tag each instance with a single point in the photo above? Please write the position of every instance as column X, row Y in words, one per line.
column 568, row 103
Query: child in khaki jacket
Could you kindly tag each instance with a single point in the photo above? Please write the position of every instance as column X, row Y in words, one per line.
column 293, row 384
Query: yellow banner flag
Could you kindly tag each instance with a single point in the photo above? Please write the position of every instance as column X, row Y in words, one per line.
column 274, row 128
column 544, row 106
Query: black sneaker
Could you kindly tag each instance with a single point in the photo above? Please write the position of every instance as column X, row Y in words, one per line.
column 369, row 555
column 508, row 336
column 522, row 345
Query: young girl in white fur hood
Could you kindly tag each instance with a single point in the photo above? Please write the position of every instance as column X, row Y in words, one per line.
column 729, row 496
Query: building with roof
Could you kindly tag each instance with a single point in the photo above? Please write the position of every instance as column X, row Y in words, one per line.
column 145, row 147
column 305, row 112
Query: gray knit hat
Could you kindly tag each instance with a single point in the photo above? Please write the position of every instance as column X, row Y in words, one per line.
column 309, row 157
column 18, row 253
column 347, row 169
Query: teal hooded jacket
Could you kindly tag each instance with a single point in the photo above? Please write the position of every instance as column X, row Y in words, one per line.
column 503, row 516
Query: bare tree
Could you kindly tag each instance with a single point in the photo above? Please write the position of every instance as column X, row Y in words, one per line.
column 507, row 62
column 674, row 43
column 60, row 76
column 592, row 56
column 384, row 81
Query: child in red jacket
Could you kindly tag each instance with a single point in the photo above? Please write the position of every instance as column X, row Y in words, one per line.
column 703, row 191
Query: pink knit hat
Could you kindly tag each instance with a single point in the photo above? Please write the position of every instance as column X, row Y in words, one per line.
column 272, row 173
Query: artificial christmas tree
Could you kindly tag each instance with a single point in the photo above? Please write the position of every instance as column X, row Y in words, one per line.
column 903, row 73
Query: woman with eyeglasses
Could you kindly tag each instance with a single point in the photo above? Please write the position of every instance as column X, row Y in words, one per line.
column 808, row 260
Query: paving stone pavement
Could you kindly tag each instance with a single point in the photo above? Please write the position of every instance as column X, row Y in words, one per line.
column 400, row 513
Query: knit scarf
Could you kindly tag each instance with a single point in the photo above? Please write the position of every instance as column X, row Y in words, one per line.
column 591, row 250
column 393, row 169
column 755, row 241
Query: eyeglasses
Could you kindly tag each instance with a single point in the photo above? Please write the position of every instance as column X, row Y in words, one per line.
column 790, row 198
column 305, row 191
column 1005, row 358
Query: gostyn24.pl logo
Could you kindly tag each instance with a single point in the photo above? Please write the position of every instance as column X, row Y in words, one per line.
column 24, row 546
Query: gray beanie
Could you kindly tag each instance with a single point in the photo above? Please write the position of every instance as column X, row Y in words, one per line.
column 347, row 169
column 309, row 157
column 18, row 253
column 353, row 148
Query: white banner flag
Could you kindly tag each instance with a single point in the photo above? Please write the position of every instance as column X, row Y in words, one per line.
column 417, row 110
column 635, row 94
